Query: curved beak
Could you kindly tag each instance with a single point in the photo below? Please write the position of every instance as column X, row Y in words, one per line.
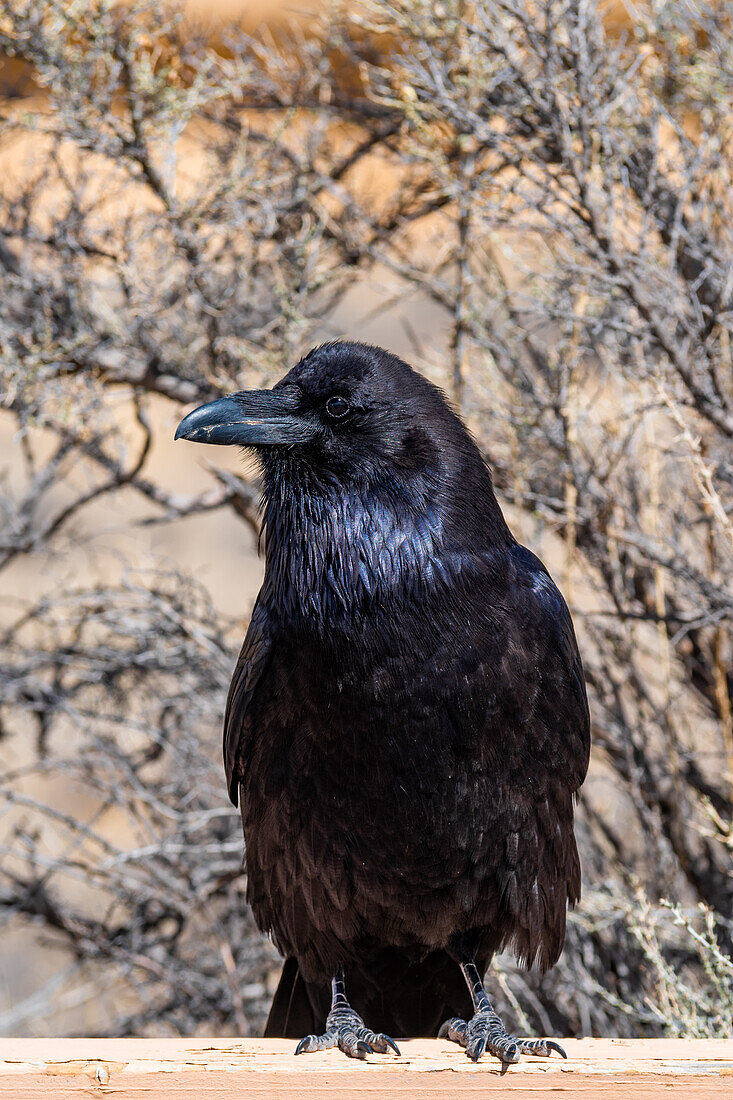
column 251, row 419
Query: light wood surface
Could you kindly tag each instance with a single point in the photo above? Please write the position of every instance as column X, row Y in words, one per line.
column 161, row 1069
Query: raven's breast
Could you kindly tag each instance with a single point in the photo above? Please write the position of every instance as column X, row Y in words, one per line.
column 353, row 805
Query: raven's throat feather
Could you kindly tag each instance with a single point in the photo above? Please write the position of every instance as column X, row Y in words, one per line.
column 334, row 553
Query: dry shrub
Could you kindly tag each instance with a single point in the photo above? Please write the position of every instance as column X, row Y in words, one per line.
column 182, row 217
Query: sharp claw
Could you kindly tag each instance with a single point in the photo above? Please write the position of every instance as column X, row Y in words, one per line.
column 474, row 1053
column 391, row 1043
column 363, row 1049
column 302, row 1046
column 510, row 1055
column 555, row 1046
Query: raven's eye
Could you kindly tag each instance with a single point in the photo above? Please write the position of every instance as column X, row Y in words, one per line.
column 337, row 407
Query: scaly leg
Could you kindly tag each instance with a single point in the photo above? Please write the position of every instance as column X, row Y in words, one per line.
column 485, row 1030
column 345, row 1029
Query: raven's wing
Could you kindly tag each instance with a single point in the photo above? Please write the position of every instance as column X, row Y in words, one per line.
column 520, row 708
column 566, row 687
column 252, row 661
column 544, row 875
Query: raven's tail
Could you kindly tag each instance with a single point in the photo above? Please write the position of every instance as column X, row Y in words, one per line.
column 396, row 995
column 292, row 1014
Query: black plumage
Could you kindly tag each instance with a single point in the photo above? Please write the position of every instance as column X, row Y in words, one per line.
column 407, row 725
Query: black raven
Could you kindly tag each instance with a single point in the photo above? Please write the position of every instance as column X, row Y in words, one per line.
column 407, row 726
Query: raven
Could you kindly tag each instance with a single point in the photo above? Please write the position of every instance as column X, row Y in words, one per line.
column 407, row 725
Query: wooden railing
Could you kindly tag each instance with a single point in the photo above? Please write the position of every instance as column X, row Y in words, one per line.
column 160, row 1069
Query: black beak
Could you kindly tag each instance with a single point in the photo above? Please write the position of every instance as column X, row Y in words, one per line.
column 253, row 419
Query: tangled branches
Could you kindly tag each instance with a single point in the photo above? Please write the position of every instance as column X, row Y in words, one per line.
column 538, row 206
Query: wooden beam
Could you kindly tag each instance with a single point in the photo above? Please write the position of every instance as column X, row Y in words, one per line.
column 197, row 1069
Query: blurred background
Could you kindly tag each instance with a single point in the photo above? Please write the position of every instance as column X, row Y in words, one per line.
column 532, row 203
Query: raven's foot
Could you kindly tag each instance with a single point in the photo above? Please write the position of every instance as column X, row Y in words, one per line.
column 352, row 1037
column 485, row 1031
column 345, row 1029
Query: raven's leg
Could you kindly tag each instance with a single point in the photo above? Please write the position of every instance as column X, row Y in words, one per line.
column 345, row 1029
column 485, row 1030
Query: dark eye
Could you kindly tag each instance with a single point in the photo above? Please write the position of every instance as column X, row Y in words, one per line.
column 337, row 407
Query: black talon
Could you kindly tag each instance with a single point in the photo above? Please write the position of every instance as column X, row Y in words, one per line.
column 363, row 1049
column 393, row 1044
column 475, row 1052
column 302, row 1045
column 556, row 1046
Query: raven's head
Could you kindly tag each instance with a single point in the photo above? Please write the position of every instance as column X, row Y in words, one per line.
column 356, row 443
column 346, row 413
